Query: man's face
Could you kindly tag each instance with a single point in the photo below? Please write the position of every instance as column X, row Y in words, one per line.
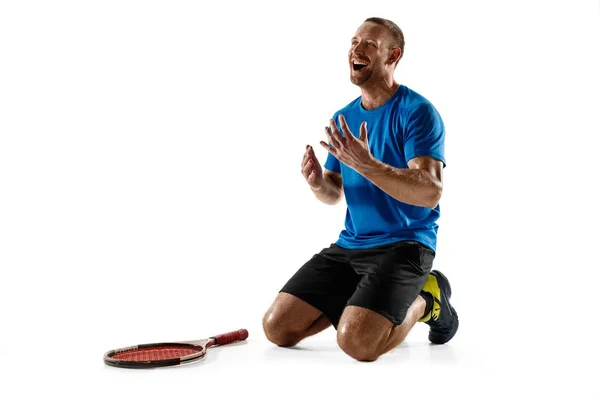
column 368, row 53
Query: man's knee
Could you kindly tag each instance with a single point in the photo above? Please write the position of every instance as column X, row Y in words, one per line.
column 363, row 334
column 357, row 343
column 276, row 331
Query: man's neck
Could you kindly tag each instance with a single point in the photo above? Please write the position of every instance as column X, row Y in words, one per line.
column 375, row 95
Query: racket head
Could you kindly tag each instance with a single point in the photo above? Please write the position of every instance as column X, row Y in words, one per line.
column 153, row 355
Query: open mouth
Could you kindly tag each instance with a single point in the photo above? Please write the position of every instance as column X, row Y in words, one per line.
column 358, row 65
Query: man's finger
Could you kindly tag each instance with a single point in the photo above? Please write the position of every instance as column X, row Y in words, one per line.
column 335, row 141
column 344, row 127
column 309, row 153
column 306, row 167
column 311, row 178
column 333, row 129
column 303, row 160
column 363, row 131
column 310, row 166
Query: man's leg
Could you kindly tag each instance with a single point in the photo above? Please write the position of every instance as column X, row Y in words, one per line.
column 313, row 299
column 387, row 302
column 290, row 319
column 365, row 335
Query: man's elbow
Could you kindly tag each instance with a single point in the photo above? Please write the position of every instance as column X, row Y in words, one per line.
column 338, row 197
column 434, row 196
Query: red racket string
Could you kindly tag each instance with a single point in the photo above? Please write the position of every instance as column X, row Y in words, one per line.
column 155, row 353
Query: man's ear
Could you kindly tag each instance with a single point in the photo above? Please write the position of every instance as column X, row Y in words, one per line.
column 395, row 55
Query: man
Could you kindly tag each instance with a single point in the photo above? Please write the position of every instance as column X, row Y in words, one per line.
column 386, row 155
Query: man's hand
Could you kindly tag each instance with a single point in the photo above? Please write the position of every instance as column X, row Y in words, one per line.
column 326, row 185
column 311, row 169
column 420, row 184
column 348, row 149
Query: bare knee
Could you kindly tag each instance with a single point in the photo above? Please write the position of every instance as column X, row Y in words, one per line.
column 357, row 343
column 276, row 332
column 290, row 319
column 364, row 334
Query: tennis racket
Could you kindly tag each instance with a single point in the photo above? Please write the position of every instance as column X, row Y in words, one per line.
column 154, row 355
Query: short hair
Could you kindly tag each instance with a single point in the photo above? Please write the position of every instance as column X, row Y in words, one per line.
column 397, row 37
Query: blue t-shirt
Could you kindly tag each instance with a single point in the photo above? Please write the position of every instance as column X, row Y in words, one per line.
column 405, row 126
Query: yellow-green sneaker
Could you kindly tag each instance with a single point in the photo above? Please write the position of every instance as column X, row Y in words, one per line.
column 442, row 319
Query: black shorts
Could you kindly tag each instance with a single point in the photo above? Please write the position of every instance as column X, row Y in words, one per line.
column 386, row 279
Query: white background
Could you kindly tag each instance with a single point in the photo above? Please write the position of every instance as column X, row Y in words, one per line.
column 150, row 190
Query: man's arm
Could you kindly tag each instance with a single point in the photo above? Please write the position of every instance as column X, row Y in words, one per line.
column 419, row 185
column 331, row 191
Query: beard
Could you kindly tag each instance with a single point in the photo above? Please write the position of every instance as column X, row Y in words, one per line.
column 370, row 73
column 361, row 79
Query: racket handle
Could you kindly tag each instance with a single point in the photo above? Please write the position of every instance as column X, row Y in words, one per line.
column 230, row 337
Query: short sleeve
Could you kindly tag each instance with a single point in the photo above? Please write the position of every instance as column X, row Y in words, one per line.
column 425, row 134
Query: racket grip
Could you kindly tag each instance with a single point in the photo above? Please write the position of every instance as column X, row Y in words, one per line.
column 230, row 337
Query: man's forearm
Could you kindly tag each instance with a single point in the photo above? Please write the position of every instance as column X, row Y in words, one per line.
column 418, row 187
column 330, row 192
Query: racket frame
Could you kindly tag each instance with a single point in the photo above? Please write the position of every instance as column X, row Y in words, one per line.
column 200, row 345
